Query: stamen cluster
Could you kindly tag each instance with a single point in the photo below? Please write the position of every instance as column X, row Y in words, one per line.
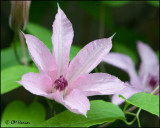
column 61, row 83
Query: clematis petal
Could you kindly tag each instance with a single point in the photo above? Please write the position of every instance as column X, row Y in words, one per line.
column 75, row 101
column 126, row 92
column 147, row 55
column 125, row 63
column 148, row 62
column 41, row 56
column 98, row 84
column 36, row 83
column 88, row 58
column 62, row 39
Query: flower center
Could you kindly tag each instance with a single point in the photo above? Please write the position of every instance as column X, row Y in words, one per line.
column 61, row 83
column 153, row 81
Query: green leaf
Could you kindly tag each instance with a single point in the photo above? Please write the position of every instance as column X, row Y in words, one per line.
column 145, row 101
column 18, row 111
column 8, row 57
column 118, row 47
column 99, row 113
column 10, row 75
column 154, row 3
column 45, row 36
column 115, row 3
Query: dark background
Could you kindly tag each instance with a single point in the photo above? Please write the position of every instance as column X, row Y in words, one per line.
column 131, row 21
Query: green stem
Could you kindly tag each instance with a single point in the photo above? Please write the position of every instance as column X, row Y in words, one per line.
column 15, row 49
column 105, row 124
column 51, row 106
column 35, row 98
column 130, row 123
column 133, row 114
column 125, row 107
column 131, row 109
column 128, row 111
column 23, row 49
column 137, row 115
column 155, row 90
column 53, row 112
column 49, row 103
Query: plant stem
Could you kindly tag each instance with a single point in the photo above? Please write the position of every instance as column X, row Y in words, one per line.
column 49, row 103
column 15, row 49
column 137, row 115
column 130, row 123
column 133, row 114
column 23, row 49
column 155, row 90
column 35, row 98
column 125, row 107
column 128, row 110
column 105, row 124
column 53, row 112
column 131, row 109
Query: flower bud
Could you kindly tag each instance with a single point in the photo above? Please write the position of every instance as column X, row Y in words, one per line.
column 19, row 15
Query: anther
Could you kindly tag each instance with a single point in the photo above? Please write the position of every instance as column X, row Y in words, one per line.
column 61, row 83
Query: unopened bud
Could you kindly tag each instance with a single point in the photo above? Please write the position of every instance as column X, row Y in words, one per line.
column 19, row 15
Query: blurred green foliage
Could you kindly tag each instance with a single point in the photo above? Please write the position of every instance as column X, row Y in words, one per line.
column 154, row 3
column 11, row 75
column 41, row 33
column 95, row 11
column 18, row 112
column 8, row 57
column 115, row 3
column 121, row 3
column 136, row 25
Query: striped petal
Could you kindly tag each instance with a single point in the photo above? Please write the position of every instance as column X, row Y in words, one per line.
column 62, row 39
column 88, row 58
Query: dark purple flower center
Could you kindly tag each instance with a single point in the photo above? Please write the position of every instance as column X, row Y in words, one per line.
column 153, row 82
column 61, row 83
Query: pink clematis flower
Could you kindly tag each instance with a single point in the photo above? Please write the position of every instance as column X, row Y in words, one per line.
column 148, row 78
column 69, row 84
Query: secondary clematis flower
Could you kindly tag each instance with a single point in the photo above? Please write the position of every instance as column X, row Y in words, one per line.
column 148, row 78
column 69, row 84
